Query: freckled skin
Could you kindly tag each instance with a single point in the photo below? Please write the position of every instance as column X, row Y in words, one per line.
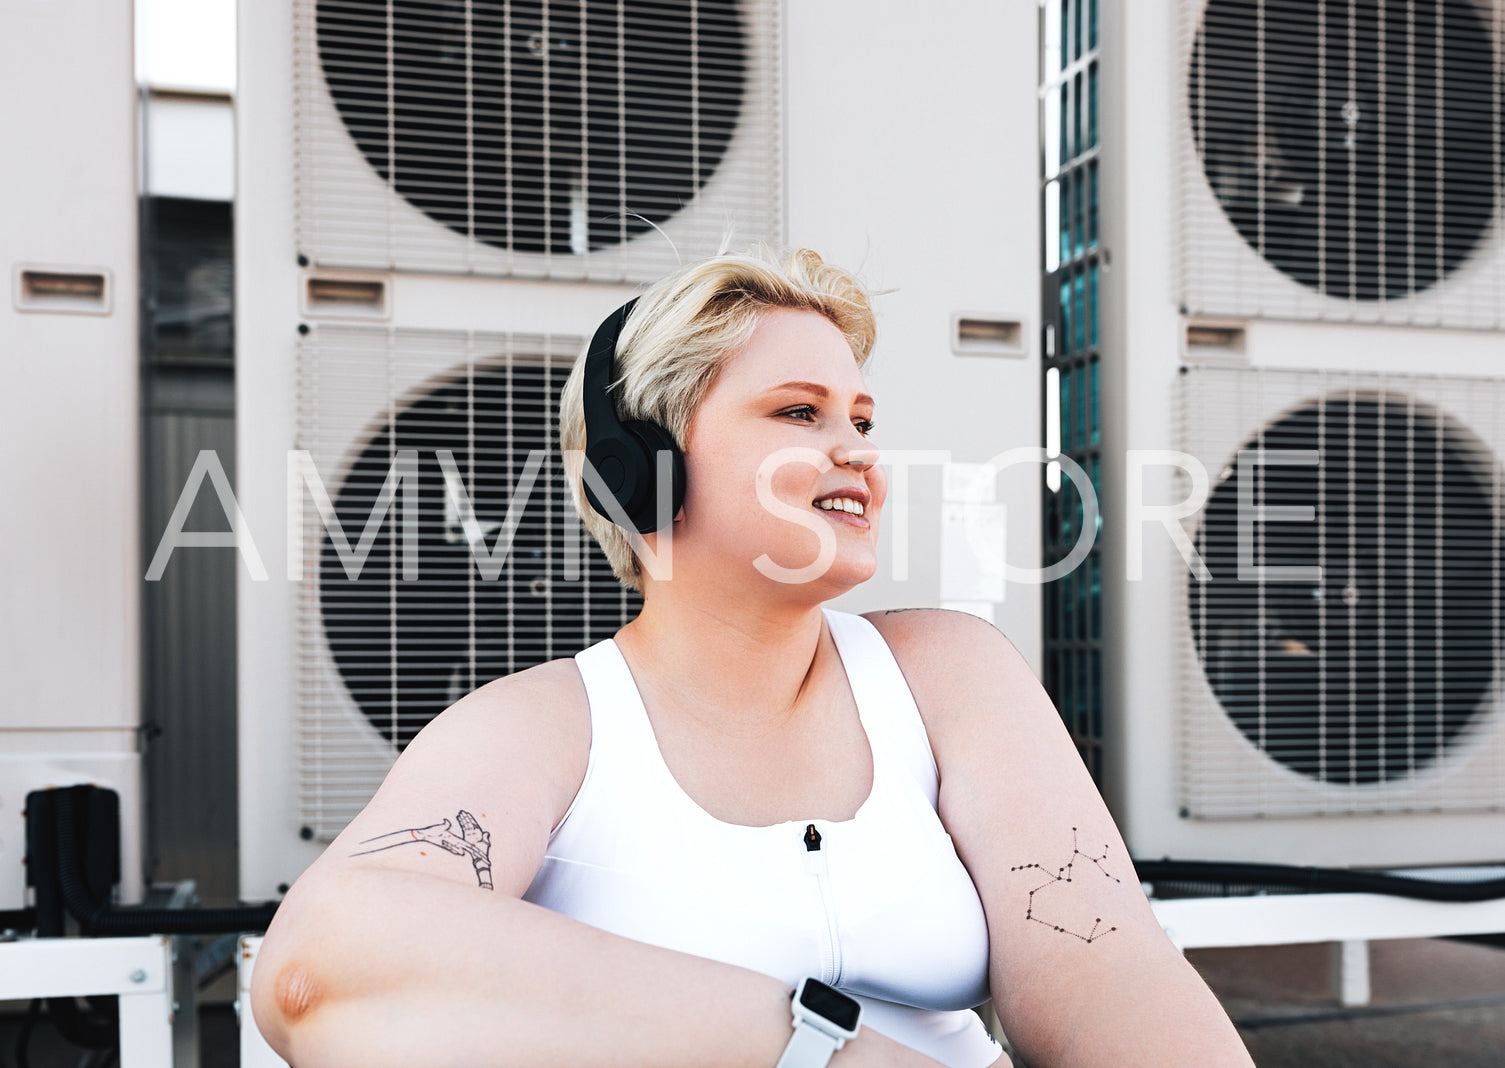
column 296, row 993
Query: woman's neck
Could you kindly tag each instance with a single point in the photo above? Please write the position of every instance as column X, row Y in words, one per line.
column 731, row 669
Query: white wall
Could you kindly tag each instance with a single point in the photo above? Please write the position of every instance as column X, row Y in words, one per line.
column 69, row 547
column 913, row 157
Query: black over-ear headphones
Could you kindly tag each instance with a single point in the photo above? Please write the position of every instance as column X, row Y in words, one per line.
column 625, row 455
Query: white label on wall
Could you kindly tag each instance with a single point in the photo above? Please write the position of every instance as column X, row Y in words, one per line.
column 972, row 551
column 969, row 482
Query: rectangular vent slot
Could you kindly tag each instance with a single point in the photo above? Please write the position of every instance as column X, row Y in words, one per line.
column 63, row 291
column 1204, row 339
column 977, row 336
column 365, row 298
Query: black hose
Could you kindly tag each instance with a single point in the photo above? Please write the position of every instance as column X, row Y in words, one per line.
column 98, row 919
column 1317, row 880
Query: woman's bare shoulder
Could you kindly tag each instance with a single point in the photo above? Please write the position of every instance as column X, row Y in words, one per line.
column 547, row 698
column 951, row 660
column 553, row 680
column 530, row 728
column 938, row 634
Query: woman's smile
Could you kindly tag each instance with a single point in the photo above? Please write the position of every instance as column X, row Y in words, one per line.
column 845, row 508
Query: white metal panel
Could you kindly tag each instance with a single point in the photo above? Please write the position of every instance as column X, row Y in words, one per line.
column 68, row 414
column 190, row 146
column 57, row 967
column 266, row 301
column 69, row 425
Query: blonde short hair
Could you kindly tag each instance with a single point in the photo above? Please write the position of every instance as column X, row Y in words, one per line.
column 681, row 332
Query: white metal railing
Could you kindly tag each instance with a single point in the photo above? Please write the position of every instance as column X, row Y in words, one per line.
column 254, row 1051
column 139, row 971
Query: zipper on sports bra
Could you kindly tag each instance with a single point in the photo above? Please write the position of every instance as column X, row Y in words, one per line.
column 815, row 864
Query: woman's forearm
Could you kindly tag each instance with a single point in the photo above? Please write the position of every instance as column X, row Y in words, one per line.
column 1157, row 1012
column 376, row 967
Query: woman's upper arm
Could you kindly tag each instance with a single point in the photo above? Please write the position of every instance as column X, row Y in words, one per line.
column 1027, row 821
column 474, row 797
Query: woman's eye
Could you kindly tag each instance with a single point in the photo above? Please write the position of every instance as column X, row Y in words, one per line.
column 808, row 413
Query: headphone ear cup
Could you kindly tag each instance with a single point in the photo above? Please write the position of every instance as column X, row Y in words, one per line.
column 618, row 464
column 655, row 439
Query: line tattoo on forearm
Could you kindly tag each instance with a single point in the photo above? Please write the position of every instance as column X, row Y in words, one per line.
column 472, row 841
column 1059, row 877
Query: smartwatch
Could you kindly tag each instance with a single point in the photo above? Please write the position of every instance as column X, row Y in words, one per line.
column 825, row 1019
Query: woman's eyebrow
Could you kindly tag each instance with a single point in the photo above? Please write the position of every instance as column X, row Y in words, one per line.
column 816, row 388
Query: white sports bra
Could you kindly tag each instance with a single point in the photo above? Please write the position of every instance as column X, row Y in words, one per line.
column 883, row 910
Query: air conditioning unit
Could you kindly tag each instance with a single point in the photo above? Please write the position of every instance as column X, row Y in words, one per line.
column 1294, row 341
column 505, row 575
column 70, row 422
column 437, row 203
column 1342, row 162
column 1349, row 664
column 585, row 140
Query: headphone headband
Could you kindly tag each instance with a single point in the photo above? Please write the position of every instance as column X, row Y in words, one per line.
column 624, row 456
column 600, row 412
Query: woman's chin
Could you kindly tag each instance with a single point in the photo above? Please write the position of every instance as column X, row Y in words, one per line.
column 848, row 570
column 856, row 571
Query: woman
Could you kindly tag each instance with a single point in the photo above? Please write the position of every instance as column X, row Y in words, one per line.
column 594, row 861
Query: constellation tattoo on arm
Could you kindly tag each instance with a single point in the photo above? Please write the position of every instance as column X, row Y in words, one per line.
column 1064, row 875
column 472, row 841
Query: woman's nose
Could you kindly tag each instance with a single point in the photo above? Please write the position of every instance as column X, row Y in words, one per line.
column 852, row 449
column 860, row 458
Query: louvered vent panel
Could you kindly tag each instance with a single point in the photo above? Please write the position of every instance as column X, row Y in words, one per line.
column 567, row 140
column 382, row 652
column 1343, row 160
column 1372, row 685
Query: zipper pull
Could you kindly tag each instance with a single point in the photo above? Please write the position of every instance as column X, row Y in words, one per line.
column 815, row 857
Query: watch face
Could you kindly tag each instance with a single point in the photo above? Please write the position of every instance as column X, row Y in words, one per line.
column 831, row 1003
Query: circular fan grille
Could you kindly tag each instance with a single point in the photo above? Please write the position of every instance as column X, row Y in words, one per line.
column 1369, row 673
column 538, row 126
column 407, row 649
column 1355, row 147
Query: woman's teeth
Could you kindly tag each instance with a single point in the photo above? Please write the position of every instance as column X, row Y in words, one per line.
column 840, row 504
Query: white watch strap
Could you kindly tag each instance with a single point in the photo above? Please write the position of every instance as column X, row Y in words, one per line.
column 809, row 1047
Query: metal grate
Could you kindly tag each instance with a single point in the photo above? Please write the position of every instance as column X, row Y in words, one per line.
column 381, row 652
column 1071, row 343
column 1344, row 160
column 1371, row 684
column 535, row 138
